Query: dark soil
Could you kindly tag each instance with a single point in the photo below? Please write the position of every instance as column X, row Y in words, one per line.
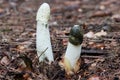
column 18, row 57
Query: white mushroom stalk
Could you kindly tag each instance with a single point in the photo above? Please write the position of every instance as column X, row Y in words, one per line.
column 43, row 42
column 71, row 59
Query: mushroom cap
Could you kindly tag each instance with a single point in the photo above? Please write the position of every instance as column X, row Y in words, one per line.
column 43, row 13
column 76, row 35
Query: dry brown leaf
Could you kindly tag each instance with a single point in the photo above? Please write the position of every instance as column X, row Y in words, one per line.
column 94, row 78
column 90, row 34
column 101, row 33
column 5, row 60
column 116, row 17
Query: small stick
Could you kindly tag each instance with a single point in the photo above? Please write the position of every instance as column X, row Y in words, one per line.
column 42, row 52
column 56, row 74
column 94, row 57
column 94, row 52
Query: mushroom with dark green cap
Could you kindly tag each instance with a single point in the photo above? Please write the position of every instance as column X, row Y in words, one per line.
column 76, row 35
column 70, row 61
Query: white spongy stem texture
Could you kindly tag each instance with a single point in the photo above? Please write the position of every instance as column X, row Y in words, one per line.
column 43, row 42
column 73, row 53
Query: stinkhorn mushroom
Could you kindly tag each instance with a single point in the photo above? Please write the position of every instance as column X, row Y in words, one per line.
column 43, row 42
column 71, row 60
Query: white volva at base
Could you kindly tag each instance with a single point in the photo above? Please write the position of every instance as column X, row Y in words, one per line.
column 43, row 42
column 73, row 53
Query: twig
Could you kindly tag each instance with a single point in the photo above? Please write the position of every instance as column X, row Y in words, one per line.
column 42, row 52
column 94, row 52
column 55, row 74
column 94, row 57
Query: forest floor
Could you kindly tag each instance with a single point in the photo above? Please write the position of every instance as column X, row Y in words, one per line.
column 18, row 57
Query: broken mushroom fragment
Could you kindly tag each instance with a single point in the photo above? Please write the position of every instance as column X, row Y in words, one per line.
column 71, row 60
column 43, row 43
